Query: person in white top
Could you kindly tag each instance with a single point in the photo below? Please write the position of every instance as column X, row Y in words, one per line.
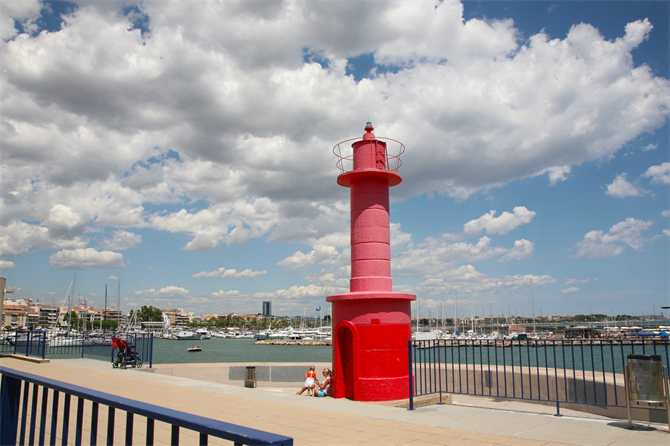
column 323, row 389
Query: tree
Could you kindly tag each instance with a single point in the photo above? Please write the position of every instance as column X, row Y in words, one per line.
column 149, row 313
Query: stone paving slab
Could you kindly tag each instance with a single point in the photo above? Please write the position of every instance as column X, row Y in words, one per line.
column 469, row 421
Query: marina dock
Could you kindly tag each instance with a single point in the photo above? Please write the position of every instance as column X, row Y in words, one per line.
column 293, row 342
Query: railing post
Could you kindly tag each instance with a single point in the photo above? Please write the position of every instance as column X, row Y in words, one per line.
column 9, row 409
column 411, row 380
column 151, row 351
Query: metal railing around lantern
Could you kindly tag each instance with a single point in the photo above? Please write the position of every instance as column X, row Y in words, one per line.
column 382, row 157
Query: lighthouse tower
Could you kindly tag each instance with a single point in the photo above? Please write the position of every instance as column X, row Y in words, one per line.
column 371, row 323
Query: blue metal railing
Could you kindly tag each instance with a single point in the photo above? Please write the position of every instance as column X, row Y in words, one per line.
column 552, row 371
column 26, row 343
column 36, row 343
column 16, row 423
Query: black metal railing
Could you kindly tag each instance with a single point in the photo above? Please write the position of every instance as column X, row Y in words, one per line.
column 25, row 418
column 551, row 371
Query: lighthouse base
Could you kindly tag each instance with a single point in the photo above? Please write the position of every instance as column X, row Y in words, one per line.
column 370, row 341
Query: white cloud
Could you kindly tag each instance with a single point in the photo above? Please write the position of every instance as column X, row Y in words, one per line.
column 467, row 280
column 572, row 289
column 230, row 273
column 435, row 255
column 575, row 281
column 613, row 243
column 85, row 259
column 659, row 174
column 522, row 249
column 7, row 265
column 649, row 147
column 557, row 174
column 666, row 213
column 23, row 12
column 320, row 255
column 232, row 223
column 19, row 238
column 169, row 291
column 622, row 188
column 121, row 240
column 173, row 119
column 499, row 225
column 230, row 293
column 299, row 292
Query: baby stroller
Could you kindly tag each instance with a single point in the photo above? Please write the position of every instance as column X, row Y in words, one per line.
column 125, row 356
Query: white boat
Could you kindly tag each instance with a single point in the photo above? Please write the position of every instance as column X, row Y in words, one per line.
column 203, row 333
column 194, row 348
column 263, row 334
column 185, row 335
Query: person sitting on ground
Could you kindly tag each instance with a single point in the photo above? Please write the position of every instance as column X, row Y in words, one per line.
column 324, row 387
column 309, row 382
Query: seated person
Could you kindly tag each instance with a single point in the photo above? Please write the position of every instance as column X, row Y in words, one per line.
column 323, row 389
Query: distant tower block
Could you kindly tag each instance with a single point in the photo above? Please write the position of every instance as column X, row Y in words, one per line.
column 372, row 324
column 267, row 308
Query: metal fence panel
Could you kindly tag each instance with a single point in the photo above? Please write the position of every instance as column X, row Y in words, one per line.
column 555, row 371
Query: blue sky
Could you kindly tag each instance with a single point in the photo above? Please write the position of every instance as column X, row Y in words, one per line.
column 186, row 151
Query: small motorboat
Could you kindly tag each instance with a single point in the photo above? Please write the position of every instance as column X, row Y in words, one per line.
column 194, row 348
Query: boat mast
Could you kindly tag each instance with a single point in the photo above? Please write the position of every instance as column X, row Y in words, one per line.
column 455, row 312
column 532, row 299
column 69, row 310
column 473, row 312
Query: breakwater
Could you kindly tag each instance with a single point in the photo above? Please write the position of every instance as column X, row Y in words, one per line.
column 292, row 342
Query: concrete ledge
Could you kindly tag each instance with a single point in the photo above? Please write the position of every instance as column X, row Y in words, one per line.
column 25, row 358
column 419, row 401
column 267, row 374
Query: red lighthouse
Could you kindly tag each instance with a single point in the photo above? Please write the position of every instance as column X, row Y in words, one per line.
column 371, row 323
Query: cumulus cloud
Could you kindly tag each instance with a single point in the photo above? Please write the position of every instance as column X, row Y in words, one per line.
column 622, row 188
column 522, row 249
column 121, row 240
column 575, row 281
column 169, row 291
column 467, row 280
column 19, row 238
column 320, row 255
column 230, row 293
column 613, row 243
column 572, row 289
column 217, row 123
column 7, row 265
column 436, row 254
column 300, row 292
column 24, row 12
column 659, row 174
column 498, row 225
column 230, row 273
column 97, row 143
column 85, row 259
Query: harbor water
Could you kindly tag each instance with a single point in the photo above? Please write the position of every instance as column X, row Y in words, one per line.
column 214, row 350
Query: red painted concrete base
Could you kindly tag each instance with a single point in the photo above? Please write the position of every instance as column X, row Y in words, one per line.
column 370, row 345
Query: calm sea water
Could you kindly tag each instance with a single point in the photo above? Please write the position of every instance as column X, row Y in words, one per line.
column 236, row 350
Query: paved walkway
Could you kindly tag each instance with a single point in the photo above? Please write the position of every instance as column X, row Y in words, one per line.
column 327, row 421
